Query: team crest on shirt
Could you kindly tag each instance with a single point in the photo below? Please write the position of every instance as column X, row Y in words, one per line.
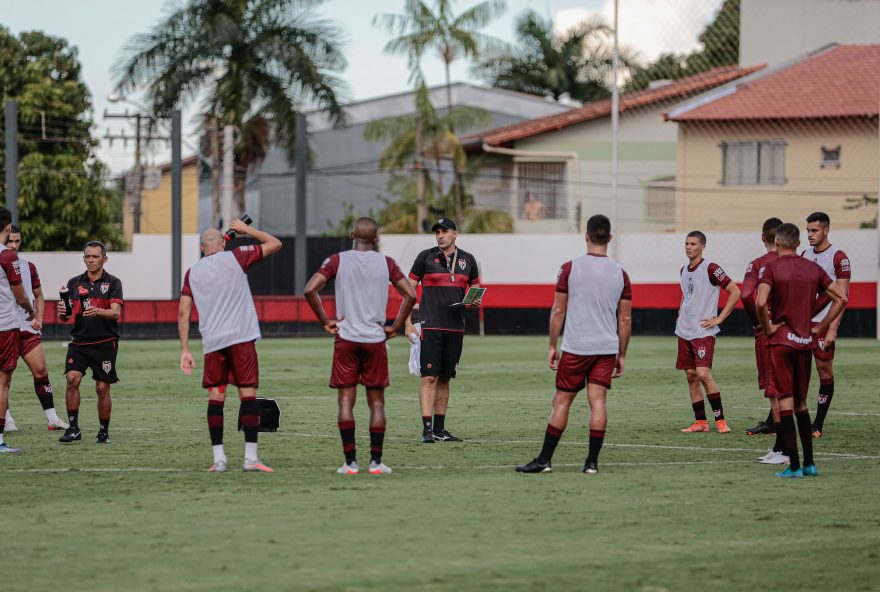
column 462, row 264
column 690, row 285
column 107, row 366
column 701, row 352
column 105, row 287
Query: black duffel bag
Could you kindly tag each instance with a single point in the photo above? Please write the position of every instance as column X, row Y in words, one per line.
column 269, row 413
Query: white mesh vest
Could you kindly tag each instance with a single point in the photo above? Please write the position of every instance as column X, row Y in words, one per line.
column 227, row 314
column 27, row 284
column 362, row 295
column 825, row 260
column 8, row 306
column 699, row 301
column 595, row 285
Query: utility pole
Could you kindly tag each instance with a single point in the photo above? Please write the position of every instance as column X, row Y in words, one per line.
column 228, row 176
column 215, row 172
column 300, row 243
column 176, row 199
column 12, row 158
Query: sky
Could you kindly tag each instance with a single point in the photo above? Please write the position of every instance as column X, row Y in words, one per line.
column 101, row 28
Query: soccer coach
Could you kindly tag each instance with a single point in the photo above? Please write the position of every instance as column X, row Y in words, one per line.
column 445, row 273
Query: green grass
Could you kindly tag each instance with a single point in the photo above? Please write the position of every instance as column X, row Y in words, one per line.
column 669, row 511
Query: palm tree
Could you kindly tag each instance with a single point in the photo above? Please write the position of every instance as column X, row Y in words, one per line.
column 255, row 63
column 576, row 63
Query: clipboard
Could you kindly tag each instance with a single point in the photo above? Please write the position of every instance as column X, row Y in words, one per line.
column 471, row 296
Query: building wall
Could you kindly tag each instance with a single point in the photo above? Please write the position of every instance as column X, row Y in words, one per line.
column 703, row 201
column 156, row 206
column 774, row 31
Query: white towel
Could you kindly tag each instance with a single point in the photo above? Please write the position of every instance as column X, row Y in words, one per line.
column 415, row 351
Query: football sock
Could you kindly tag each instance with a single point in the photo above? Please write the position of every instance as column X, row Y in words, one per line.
column 250, row 451
column 73, row 417
column 377, row 437
column 596, row 439
column 426, row 423
column 103, row 424
column 790, row 438
column 250, row 420
column 699, row 410
column 826, row 392
column 219, row 453
column 346, row 432
column 44, row 393
column 805, row 431
column 769, row 420
column 51, row 414
column 439, row 422
column 215, row 423
column 717, row 407
column 2, row 427
column 8, row 417
column 551, row 439
column 779, row 445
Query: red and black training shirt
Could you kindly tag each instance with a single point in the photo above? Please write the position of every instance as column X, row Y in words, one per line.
column 443, row 284
column 101, row 293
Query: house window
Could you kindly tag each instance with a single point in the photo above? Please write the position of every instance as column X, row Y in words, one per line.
column 660, row 199
column 830, row 157
column 753, row 163
column 546, row 183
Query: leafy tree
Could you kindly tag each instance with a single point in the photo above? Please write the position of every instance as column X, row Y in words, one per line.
column 256, row 62
column 719, row 47
column 576, row 63
column 64, row 195
column 865, row 201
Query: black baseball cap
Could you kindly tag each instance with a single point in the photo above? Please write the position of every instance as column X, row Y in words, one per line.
column 447, row 223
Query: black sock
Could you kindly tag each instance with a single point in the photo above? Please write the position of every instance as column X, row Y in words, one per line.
column 779, row 445
column 699, row 410
column 717, row 407
column 377, row 437
column 215, row 421
column 790, row 438
column 597, row 437
column 44, row 393
column 769, row 420
column 103, row 425
column 250, row 418
column 2, row 424
column 805, row 431
column 346, row 432
column 426, row 423
column 826, row 393
column 73, row 417
column 439, row 421
column 551, row 439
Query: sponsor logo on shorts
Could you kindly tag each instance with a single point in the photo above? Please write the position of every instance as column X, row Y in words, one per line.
column 107, row 366
column 70, row 360
column 801, row 340
column 701, row 352
column 822, row 344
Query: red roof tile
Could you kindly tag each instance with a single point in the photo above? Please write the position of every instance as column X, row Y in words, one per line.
column 843, row 81
column 677, row 89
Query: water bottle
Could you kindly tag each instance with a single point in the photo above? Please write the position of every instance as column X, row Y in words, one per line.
column 231, row 234
column 64, row 294
column 84, row 298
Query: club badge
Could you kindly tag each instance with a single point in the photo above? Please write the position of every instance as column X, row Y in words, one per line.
column 107, row 366
column 462, row 264
column 105, row 287
column 701, row 352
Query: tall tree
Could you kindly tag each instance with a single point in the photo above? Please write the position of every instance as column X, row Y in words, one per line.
column 255, row 62
column 719, row 46
column 65, row 196
column 576, row 63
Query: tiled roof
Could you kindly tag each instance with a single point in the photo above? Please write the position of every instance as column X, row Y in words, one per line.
column 840, row 81
column 677, row 89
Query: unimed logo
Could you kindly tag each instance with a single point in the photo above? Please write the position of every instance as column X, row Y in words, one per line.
column 801, row 340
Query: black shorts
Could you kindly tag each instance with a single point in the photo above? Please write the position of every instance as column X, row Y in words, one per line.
column 440, row 353
column 100, row 357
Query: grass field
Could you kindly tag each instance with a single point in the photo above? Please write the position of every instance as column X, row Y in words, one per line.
column 669, row 511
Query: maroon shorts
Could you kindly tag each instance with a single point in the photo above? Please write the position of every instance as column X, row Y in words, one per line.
column 695, row 353
column 359, row 363
column 762, row 357
column 236, row 364
column 789, row 374
column 9, row 345
column 823, row 352
column 574, row 371
column 28, row 342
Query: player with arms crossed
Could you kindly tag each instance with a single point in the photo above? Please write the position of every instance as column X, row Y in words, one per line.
column 445, row 273
column 787, row 289
column 594, row 301
column 97, row 304
column 218, row 285
column 837, row 265
column 776, row 455
column 30, row 345
column 359, row 354
column 696, row 327
column 12, row 298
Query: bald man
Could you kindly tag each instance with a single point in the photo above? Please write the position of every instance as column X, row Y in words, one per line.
column 218, row 286
column 362, row 276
